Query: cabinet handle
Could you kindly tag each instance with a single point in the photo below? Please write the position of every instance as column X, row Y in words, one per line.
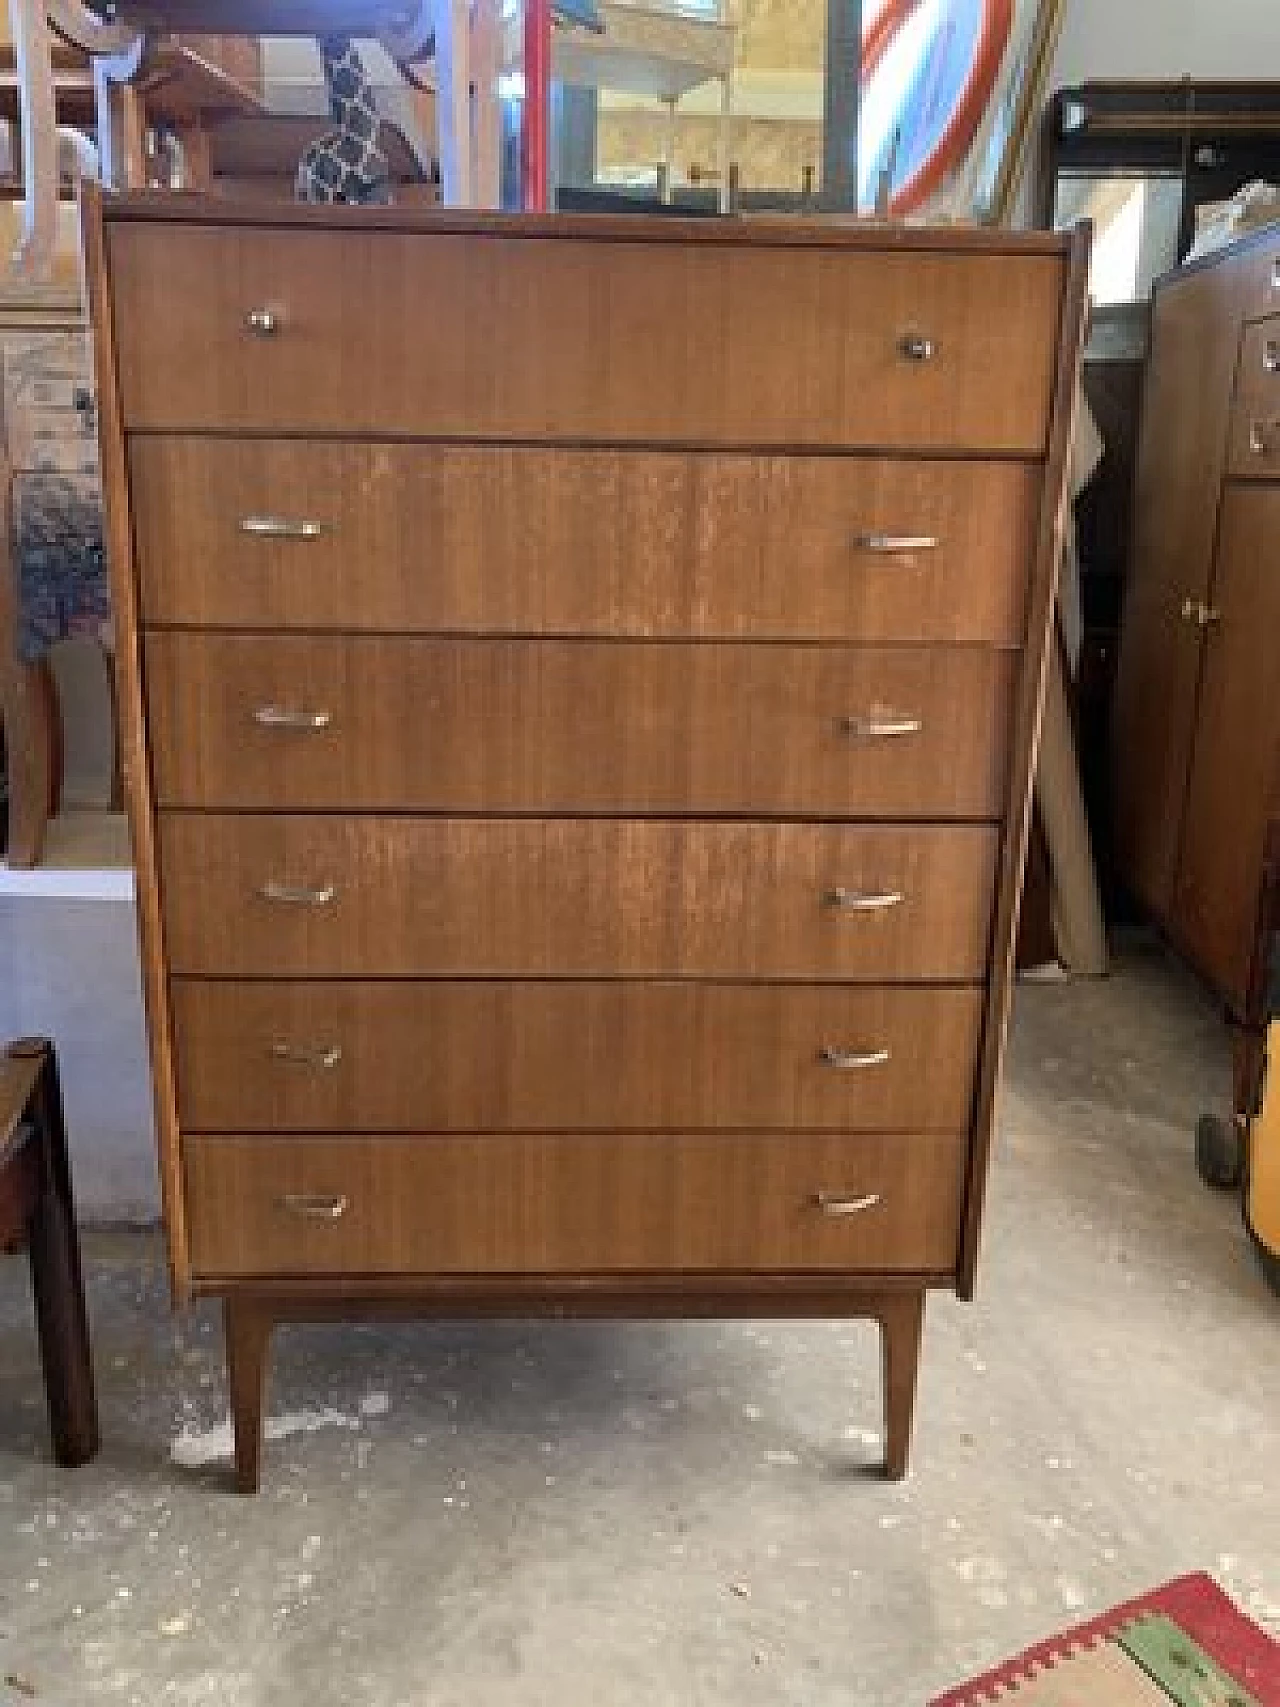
column 895, row 544
column 1260, row 437
column 853, row 1060
column 262, row 322
column 298, row 895
column 285, row 717
column 313, row 1208
column 1275, row 273
column 1203, row 615
column 888, row 728
column 915, row 347
column 841, row 1208
column 302, row 1057
column 856, row 901
column 280, row 527
column 1271, row 356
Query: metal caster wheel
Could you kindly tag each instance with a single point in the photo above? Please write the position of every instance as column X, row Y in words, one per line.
column 1219, row 1153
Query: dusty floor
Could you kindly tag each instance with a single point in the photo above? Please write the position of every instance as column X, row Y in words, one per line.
column 655, row 1514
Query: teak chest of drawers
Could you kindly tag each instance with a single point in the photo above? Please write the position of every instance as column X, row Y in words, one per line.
column 581, row 682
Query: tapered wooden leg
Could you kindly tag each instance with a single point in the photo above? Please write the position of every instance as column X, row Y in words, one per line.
column 64, row 1333
column 248, row 1323
column 901, row 1329
column 61, row 1318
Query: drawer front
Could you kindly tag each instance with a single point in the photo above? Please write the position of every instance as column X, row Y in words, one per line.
column 382, row 724
column 528, row 1057
column 420, row 538
column 573, row 1204
column 410, row 897
column 510, row 337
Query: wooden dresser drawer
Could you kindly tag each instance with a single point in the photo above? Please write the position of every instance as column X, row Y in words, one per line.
column 481, row 1057
column 1253, row 447
column 565, row 1204
column 388, row 723
column 536, row 898
column 515, row 336
column 422, row 538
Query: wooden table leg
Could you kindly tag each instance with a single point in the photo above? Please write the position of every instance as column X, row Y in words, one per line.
column 62, row 1320
column 901, row 1329
column 248, row 1323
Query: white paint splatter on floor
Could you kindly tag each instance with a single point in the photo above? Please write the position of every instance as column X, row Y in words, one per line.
column 195, row 1448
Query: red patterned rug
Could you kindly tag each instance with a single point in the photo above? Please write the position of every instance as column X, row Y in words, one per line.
column 1186, row 1644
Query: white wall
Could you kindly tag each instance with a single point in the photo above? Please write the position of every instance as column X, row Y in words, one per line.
column 1169, row 38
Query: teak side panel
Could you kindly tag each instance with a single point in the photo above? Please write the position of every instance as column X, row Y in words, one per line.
column 1194, row 344
column 132, row 734
column 572, row 1204
column 579, row 898
column 529, row 1057
column 499, row 539
column 499, row 337
column 469, row 725
column 1234, row 788
column 1024, row 745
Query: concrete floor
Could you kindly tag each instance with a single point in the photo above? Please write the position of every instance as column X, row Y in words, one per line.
column 640, row 1515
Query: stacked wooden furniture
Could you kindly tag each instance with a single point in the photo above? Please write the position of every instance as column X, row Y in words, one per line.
column 582, row 681
column 1196, row 743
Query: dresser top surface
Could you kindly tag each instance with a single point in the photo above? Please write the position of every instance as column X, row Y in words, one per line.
column 180, row 208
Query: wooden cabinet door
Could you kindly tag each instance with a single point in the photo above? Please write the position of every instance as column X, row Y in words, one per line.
column 1195, row 330
column 1235, row 771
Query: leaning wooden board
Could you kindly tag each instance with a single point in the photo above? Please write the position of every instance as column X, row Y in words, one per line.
column 581, row 681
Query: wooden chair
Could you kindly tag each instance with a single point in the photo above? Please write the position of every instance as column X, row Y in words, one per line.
column 36, row 1209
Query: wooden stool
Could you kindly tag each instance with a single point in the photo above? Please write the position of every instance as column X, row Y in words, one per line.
column 36, row 1210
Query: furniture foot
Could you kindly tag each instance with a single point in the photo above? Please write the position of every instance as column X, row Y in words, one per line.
column 901, row 1328
column 61, row 1318
column 248, row 1323
column 63, row 1328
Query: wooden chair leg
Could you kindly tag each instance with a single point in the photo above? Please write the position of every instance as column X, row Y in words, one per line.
column 62, row 1320
column 901, row 1330
column 248, row 1323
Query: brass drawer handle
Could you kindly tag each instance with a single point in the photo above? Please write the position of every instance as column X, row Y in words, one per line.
column 858, row 901
column 853, row 1060
column 1203, row 615
column 888, row 728
column 297, row 894
column 280, row 527
column 301, row 1057
column 915, row 347
column 262, row 322
column 1260, row 437
column 842, row 1208
column 895, row 544
column 286, row 717
column 313, row 1208
column 1271, row 356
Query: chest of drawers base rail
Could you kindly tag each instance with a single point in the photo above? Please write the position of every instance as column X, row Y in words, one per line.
column 601, row 694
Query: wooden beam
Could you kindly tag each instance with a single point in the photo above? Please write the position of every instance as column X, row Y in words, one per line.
column 33, row 260
column 122, row 157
